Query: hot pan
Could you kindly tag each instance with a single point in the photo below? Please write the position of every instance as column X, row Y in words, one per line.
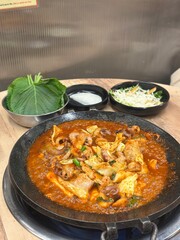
column 141, row 217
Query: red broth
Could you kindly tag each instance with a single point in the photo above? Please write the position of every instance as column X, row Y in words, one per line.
column 98, row 166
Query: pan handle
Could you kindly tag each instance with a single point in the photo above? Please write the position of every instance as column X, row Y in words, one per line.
column 154, row 231
column 146, row 226
column 111, row 232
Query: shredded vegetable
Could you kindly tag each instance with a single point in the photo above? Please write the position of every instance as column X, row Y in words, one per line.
column 135, row 96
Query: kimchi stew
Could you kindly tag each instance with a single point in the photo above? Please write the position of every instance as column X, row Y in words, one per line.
column 98, row 166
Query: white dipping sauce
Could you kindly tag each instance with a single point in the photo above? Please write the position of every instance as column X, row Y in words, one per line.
column 86, row 98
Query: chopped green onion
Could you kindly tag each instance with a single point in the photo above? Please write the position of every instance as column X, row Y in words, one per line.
column 113, row 176
column 112, row 162
column 76, row 162
column 133, row 201
column 158, row 94
column 83, row 148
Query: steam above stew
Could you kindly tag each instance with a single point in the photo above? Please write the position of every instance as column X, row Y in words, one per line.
column 98, row 166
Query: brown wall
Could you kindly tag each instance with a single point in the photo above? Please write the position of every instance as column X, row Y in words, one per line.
column 137, row 39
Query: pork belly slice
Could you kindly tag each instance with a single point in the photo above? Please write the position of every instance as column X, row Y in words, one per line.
column 132, row 152
column 79, row 186
column 83, row 182
column 54, row 179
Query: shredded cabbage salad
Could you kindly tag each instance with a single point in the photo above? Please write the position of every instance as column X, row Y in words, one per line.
column 135, row 96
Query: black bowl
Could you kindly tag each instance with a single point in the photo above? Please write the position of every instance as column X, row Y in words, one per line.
column 87, row 88
column 140, row 111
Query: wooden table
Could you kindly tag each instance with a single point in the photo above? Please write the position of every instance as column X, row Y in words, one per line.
column 10, row 229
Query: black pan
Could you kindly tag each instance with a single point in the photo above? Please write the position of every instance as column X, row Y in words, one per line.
column 141, row 217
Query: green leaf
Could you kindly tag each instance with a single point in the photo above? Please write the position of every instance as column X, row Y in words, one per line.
column 35, row 97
